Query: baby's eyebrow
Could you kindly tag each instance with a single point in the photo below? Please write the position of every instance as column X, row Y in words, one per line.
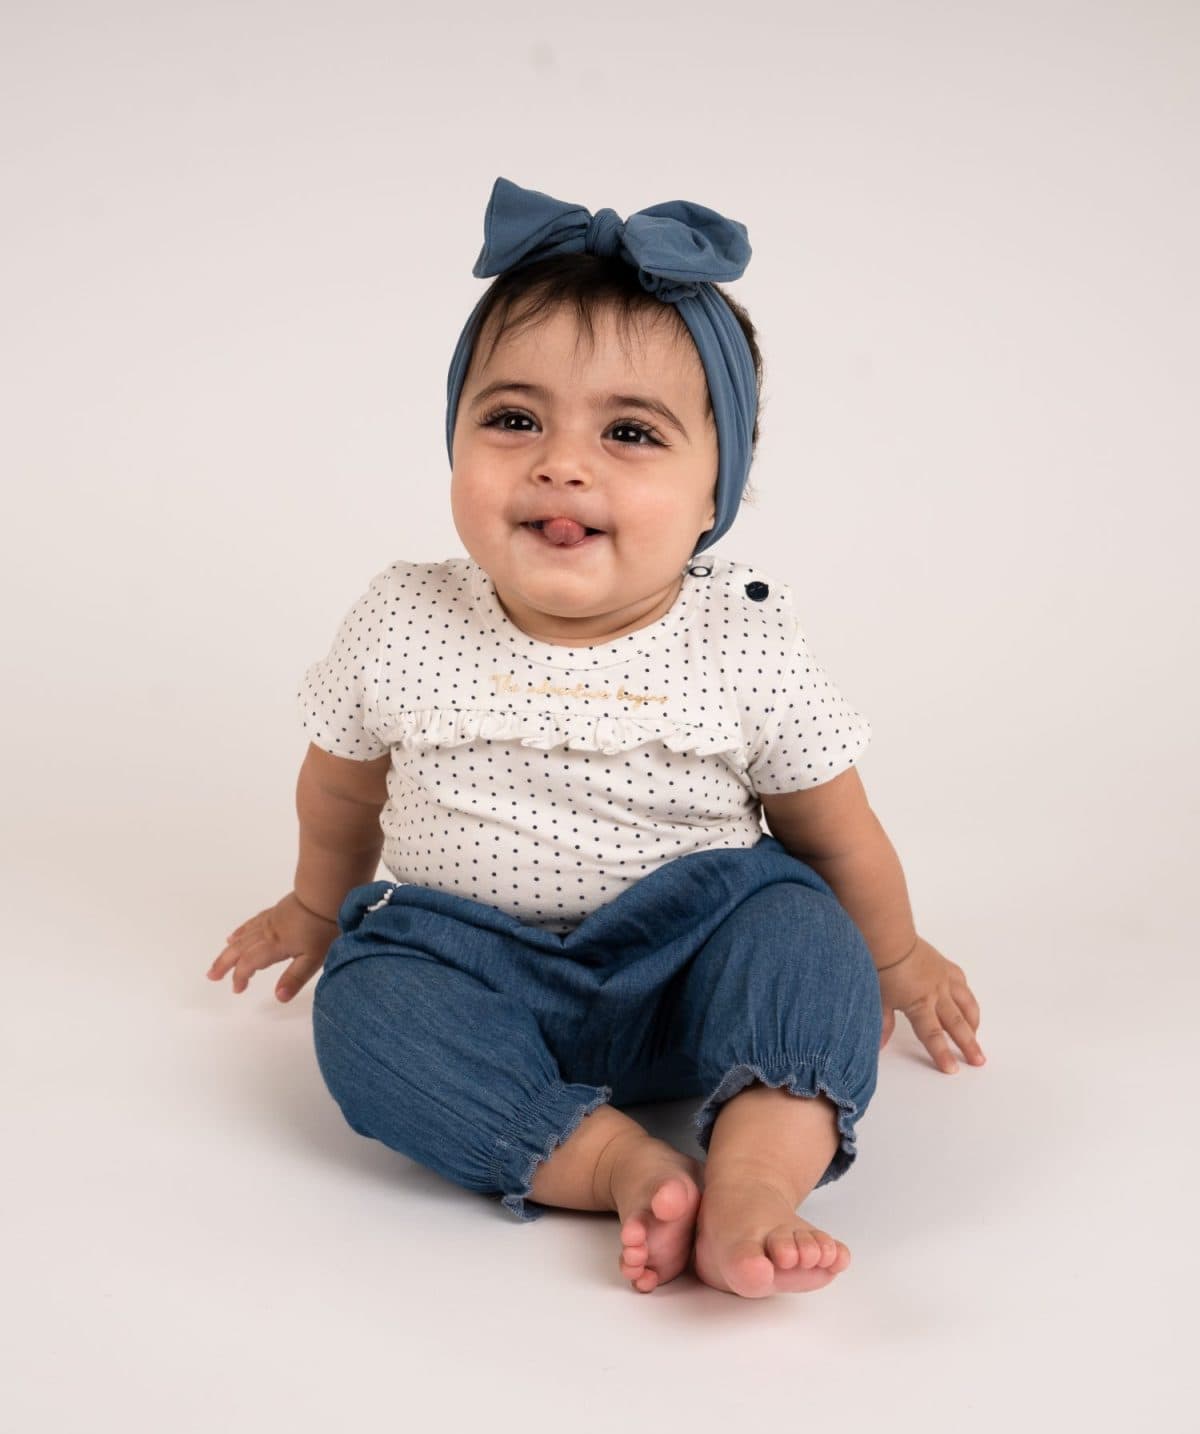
column 612, row 400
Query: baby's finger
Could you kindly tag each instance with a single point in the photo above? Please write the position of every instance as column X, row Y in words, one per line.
column 228, row 960
column 938, row 1047
column 929, row 1031
column 296, row 976
column 243, row 959
column 966, row 999
column 224, row 961
column 964, row 1034
column 252, row 958
column 256, row 950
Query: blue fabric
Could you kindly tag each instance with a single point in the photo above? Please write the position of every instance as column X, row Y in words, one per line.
column 680, row 250
column 475, row 1044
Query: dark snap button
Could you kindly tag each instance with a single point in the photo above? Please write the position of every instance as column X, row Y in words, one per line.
column 757, row 591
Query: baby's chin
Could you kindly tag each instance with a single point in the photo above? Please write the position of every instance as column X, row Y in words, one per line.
column 591, row 608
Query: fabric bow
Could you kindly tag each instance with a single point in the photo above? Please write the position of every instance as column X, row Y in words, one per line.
column 675, row 247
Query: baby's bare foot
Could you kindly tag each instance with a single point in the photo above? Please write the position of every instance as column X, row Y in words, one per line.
column 657, row 1193
column 750, row 1242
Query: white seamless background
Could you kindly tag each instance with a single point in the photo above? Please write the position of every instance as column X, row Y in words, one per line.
column 237, row 245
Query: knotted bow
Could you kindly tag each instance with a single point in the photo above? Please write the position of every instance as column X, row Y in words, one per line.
column 680, row 250
column 675, row 247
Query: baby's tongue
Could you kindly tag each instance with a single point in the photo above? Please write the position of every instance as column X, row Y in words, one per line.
column 564, row 532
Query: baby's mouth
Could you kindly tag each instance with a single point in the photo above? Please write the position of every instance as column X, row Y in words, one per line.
column 563, row 532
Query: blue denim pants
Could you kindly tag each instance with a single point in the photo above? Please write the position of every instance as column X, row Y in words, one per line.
column 475, row 1044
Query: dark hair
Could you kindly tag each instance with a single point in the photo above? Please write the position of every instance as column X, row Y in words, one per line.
column 524, row 297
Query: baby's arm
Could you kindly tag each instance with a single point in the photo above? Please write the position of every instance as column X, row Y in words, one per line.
column 831, row 828
column 338, row 802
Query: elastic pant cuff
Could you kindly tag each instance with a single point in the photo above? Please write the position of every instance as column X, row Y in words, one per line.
column 806, row 1078
column 540, row 1127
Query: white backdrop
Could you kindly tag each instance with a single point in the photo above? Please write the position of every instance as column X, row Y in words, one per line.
column 237, row 245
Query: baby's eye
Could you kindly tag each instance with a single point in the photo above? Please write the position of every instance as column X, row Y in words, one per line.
column 498, row 419
column 637, row 428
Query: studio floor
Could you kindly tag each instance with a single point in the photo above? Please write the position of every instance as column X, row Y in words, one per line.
column 197, row 1241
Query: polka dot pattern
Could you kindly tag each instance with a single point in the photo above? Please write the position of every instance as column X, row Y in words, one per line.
column 543, row 779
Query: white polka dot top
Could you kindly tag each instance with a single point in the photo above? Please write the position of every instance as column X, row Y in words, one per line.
column 542, row 779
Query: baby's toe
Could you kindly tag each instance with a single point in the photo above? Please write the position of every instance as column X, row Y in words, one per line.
column 829, row 1248
column 781, row 1246
column 634, row 1246
column 808, row 1248
column 634, row 1232
column 633, row 1260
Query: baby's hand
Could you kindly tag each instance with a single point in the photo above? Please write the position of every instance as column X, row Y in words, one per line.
column 284, row 931
column 933, row 993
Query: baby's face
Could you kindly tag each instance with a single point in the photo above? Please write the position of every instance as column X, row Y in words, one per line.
column 573, row 450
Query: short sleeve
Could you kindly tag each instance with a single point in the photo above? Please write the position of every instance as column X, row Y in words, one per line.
column 337, row 696
column 810, row 734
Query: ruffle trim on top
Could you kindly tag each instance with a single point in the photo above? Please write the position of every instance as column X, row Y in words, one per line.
column 447, row 727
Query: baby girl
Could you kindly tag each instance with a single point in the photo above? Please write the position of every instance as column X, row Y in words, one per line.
column 632, row 858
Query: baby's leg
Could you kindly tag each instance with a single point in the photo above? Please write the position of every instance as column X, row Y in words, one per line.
column 578, row 1175
column 610, row 1162
column 768, row 1150
column 781, row 1012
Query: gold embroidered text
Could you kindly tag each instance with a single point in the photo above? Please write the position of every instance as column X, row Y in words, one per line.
column 505, row 682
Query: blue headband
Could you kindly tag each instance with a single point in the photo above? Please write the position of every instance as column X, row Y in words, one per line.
column 680, row 250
